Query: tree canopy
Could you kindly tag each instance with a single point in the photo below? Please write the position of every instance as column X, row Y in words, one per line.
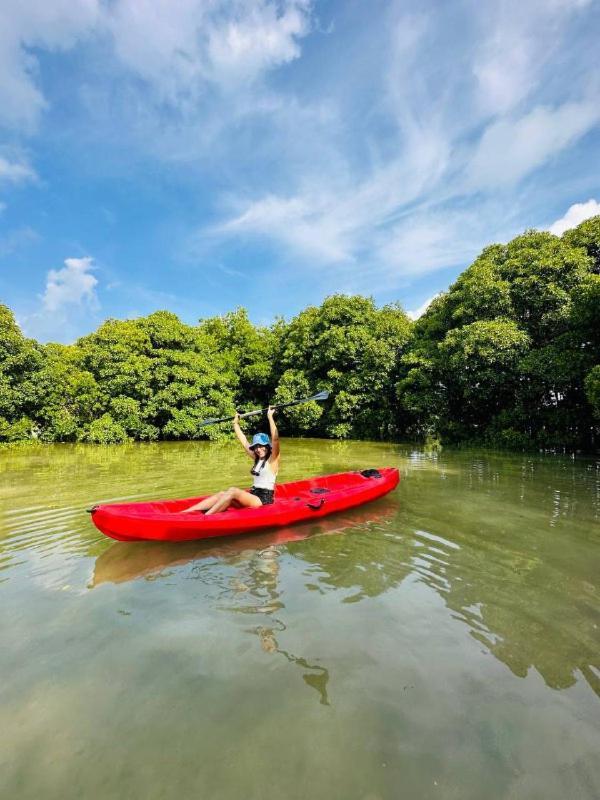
column 508, row 356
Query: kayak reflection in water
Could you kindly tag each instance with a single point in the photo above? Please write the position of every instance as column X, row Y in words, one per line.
column 264, row 451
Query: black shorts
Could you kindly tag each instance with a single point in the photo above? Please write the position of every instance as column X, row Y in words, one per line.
column 266, row 496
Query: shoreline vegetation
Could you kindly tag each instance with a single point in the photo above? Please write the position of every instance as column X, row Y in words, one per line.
column 508, row 357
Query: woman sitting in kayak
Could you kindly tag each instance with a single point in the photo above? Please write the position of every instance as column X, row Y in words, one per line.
column 265, row 454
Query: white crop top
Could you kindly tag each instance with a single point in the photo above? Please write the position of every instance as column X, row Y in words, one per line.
column 266, row 477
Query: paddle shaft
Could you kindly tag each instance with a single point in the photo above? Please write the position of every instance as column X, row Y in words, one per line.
column 320, row 396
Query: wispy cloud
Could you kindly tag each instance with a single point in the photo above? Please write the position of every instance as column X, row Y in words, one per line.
column 16, row 171
column 432, row 189
column 511, row 149
column 16, row 239
column 24, row 26
column 516, row 43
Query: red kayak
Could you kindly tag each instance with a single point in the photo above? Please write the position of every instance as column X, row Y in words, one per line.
column 294, row 502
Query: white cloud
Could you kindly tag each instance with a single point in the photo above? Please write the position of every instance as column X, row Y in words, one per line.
column 576, row 214
column 511, row 149
column 181, row 49
column 418, row 312
column 71, row 285
column 261, row 37
column 177, row 48
column 15, row 172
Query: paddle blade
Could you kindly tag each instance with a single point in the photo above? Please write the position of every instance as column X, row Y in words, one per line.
column 210, row 421
column 321, row 395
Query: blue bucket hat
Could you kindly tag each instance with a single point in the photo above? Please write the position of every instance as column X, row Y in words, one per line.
column 260, row 439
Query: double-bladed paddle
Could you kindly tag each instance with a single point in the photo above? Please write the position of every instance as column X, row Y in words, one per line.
column 319, row 396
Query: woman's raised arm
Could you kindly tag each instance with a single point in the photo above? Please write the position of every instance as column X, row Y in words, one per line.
column 240, row 435
column 274, row 433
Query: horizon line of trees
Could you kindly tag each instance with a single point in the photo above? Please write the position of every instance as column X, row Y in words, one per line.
column 509, row 357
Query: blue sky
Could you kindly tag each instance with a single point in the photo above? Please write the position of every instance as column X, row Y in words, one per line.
column 203, row 154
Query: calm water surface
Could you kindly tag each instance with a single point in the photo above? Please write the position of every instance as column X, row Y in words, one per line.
column 442, row 642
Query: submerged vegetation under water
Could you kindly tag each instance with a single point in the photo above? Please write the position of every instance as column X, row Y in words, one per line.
column 508, row 356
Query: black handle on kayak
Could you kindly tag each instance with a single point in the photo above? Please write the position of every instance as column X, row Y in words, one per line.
column 316, row 506
column 371, row 473
column 91, row 510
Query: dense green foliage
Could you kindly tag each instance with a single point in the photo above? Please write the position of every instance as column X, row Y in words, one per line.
column 353, row 349
column 509, row 355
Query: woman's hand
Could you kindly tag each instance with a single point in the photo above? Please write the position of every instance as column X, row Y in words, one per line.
column 236, row 419
column 270, row 413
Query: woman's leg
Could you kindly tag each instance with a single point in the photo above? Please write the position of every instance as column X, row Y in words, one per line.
column 233, row 495
column 205, row 504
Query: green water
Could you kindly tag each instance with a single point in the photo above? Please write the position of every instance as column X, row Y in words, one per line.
column 442, row 642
